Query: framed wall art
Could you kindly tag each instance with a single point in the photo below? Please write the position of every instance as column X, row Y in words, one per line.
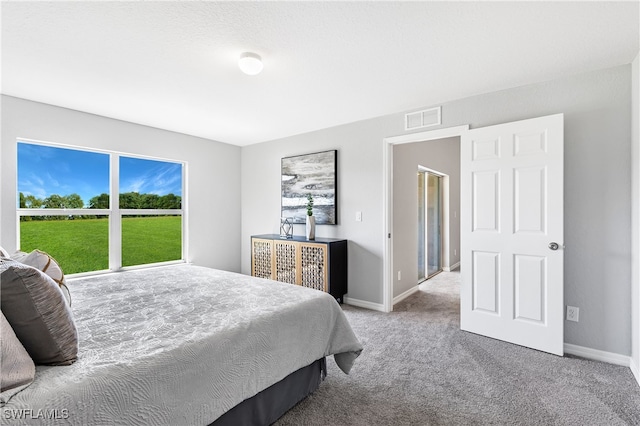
column 315, row 175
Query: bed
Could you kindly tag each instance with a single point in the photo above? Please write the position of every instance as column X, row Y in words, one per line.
column 188, row 345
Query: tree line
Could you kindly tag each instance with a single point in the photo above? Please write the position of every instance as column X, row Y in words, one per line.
column 135, row 200
column 128, row 200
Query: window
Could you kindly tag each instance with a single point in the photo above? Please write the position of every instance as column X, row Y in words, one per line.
column 151, row 205
column 99, row 210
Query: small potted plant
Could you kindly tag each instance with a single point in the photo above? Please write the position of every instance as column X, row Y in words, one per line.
column 311, row 220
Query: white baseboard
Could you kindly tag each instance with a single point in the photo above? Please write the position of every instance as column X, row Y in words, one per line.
column 364, row 304
column 452, row 267
column 404, row 295
column 597, row 355
column 379, row 306
column 635, row 369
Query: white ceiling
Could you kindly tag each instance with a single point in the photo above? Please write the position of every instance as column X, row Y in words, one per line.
column 173, row 65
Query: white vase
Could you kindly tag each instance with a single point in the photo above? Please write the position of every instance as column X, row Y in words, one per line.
column 311, row 228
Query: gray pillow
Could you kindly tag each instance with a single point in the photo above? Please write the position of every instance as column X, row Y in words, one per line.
column 16, row 366
column 38, row 313
column 19, row 256
column 47, row 264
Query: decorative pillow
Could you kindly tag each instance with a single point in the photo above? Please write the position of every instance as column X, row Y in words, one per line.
column 16, row 366
column 36, row 309
column 19, row 255
column 47, row 264
column 3, row 252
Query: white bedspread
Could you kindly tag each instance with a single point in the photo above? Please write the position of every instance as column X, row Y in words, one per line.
column 181, row 345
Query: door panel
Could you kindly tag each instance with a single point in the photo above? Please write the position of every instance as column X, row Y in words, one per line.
column 261, row 259
column 512, row 209
column 486, row 282
column 286, row 269
column 530, row 288
column 486, row 198
column 434, row 244
column 429, row 225
column 422, row 230
column 530, row 197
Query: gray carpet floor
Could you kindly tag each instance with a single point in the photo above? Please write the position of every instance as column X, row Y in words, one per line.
column 418, row 368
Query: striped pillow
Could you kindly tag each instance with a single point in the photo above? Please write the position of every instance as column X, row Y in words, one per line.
column 47, row 264
column 38, row 313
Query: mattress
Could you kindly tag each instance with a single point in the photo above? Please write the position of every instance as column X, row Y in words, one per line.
column 181, row 344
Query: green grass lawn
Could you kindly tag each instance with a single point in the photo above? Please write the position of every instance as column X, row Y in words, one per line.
column 82, row 245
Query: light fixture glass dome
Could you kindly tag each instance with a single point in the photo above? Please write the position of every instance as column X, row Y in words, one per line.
column 250, row 63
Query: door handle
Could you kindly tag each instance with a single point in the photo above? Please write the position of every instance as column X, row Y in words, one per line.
column 554, row 246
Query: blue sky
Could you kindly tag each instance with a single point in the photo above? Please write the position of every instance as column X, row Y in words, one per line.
column 150, row 176
column 45, row 170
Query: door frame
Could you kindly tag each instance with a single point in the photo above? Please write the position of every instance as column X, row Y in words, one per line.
column 387, row 200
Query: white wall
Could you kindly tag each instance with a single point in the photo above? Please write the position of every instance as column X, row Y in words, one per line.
column 442, row 155
column 213, row 186
column 597, row 108
column 359, row 148
column 635, row 219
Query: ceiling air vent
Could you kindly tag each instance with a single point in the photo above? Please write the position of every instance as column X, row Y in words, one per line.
column 424, row 118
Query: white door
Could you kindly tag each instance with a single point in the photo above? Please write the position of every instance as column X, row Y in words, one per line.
column 512, row 232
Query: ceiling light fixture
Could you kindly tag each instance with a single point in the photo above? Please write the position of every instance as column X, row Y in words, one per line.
column 250, row 63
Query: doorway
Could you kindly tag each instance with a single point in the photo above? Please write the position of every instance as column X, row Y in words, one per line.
column 394, row 289
column 523, row 308
column 429, row 224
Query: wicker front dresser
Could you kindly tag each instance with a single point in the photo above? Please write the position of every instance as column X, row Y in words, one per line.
column 320, row 264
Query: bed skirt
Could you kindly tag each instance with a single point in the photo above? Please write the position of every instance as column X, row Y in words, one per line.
column 269, row 405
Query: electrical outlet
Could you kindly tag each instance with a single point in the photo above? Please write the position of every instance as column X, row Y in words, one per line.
column 573, row 313
column 399, row 275
column 358, row 216
column 455, row 252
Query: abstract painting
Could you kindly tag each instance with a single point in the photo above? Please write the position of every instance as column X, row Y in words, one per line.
column 314, row 174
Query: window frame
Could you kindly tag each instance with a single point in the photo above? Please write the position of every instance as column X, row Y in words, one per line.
column 114, row 213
